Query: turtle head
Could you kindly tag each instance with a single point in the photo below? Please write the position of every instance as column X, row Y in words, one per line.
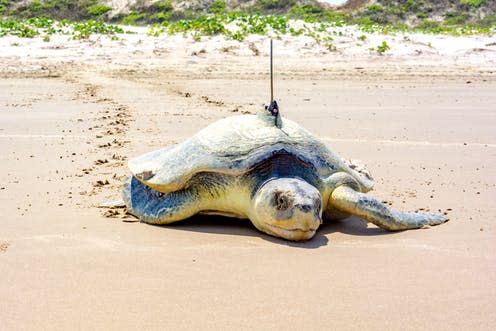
column 287, row 207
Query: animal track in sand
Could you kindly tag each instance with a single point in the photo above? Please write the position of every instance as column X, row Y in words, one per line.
column 4, row 245
column 89, row 91
column 100, row 161
column 229, row 49
column 254, row 49
column 210, row 101
column 121, row 213
column 110, row 121
column 100, row 183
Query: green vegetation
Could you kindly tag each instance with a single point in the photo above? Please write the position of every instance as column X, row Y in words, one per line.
column 45, row 27
column 4, row 5
column 420, row 14
column 131, row 18
column 472, row 3
column 459, row 16
column 383, row 48
column 394, row 13
column 82, row 30
column 273, row 6
column 57, row 9
column 243, row 25
column 161, row 6
column 18, row 28
column 217, row 7
column 98, row 10
column 45, row 17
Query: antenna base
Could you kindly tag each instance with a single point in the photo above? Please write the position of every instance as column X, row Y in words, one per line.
column 273, row 108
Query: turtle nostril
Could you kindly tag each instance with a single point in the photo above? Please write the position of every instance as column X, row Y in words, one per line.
column 305, row 208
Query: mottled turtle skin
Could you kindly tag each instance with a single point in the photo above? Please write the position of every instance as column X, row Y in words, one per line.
column 264, row 168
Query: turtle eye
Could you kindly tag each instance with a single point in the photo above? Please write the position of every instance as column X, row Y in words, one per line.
column 281, row 201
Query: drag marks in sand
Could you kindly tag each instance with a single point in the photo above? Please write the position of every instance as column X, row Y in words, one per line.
column 108, row 137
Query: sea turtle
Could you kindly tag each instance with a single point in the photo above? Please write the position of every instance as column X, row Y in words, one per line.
column 262, row 167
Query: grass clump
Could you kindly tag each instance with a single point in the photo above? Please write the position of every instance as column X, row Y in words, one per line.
column 273, row 6
column 383, row 48
column 58, row 9
column 98, row 10
column 4, row 6
column 442, row 16
column 472, row 3
column 149, row 13
column 217, row 7
column 162, row 6
column 132, row 18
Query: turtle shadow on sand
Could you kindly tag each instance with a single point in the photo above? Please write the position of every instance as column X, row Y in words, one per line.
column 243, row 227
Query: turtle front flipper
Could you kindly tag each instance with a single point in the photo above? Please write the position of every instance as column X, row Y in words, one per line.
column 350, row 201
column 154, row 207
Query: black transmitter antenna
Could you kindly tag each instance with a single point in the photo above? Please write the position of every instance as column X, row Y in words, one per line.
column 273, row 108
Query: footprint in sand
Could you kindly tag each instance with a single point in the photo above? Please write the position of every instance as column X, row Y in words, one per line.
column 100, row 161
column 100, row 183
column 4, row 245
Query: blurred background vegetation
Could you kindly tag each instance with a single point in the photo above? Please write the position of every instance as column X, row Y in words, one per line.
column 431, row 16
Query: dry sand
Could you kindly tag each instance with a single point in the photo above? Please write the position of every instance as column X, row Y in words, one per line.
column 71, row 113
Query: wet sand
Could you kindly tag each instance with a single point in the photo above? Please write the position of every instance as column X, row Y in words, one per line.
column 426, row 134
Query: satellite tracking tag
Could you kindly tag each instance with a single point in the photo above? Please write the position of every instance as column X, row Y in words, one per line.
column 273, row 108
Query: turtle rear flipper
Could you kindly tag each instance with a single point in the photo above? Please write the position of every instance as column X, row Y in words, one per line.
column 350, row 201
column 154, row 207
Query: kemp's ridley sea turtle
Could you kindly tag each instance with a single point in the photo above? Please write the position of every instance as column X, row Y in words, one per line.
column 274, row 173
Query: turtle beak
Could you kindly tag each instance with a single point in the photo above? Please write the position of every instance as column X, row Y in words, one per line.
column 312, row 212
column 307, row 216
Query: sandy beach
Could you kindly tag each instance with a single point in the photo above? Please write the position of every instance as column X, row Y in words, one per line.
column 421, row 117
